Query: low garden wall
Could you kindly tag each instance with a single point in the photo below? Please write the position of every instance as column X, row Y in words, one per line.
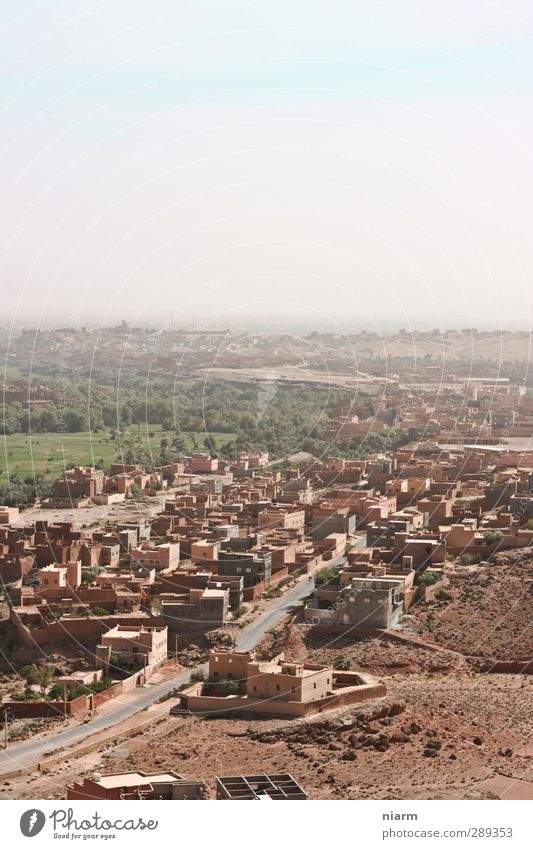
column 81, row 704
column 197, row 703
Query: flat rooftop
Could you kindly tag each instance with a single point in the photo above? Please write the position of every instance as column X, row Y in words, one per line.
column 132, row 779
column 274, row 786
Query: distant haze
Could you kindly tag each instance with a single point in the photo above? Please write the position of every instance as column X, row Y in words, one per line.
column 339, row 164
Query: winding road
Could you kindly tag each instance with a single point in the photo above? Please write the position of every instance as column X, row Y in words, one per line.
column 29, row 753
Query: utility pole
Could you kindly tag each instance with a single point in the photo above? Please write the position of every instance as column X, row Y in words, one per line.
column 176, row 639
column 7, row 717
column 65, row 702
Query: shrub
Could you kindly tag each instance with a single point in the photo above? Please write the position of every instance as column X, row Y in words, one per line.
column 27, row 695
column 55, row 693
column 41, row 674
column 197, row 675
column 88, row 576
column 470, row 559
column 427, row 579
column 492, row 536
column 342, row 662
column 122, row 667
column 230, row 688
column 25, row 730
column 325, row 575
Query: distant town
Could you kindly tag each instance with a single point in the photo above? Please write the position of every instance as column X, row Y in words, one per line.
column 314, row 551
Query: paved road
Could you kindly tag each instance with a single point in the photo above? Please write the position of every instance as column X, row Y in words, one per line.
column 30, row 752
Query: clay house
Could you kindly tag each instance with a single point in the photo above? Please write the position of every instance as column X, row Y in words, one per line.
column 130, row 469
column 328, row 520
column 521, row 506
column 78, row 484
column 255, row 459
column 56, row 577
column 125, row 475
column 437, row 510
column 8, row 514
column 253, row 568
column 136, row 785
column 159, row 557
column 203, row 551
column 135, row 644
column 59, row 543
column 379, row 472
column 408, row 490
column 339, row 471
column 365, row 603
column 500, row 493
column 278, row 517
column 200, row 464
column 284, row 551
column 109, row 549
column 382, row 534
column 243, row 681
column 14, row 567
column 460, row 537
column 424, row 550
column 180, row 581
column 296, row 490
column 199, row 610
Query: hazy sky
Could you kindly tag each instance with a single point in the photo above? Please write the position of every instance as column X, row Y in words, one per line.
column 340, row 163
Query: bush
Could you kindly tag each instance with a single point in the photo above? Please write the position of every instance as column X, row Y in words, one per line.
column 492, row 536
column 122, row 667
column 342, row 662
column 470, row 559
column 325, row 575
column 197, row 675
column 25, row 730
column 427, row 579
column 88, row 576
column 55, row 693
column 28, row 695
column 41, row 674
column 230, row 688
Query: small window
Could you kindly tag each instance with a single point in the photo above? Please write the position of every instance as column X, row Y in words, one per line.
column 314, row 686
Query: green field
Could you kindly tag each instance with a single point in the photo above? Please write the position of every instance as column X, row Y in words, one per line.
column 26, row 454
